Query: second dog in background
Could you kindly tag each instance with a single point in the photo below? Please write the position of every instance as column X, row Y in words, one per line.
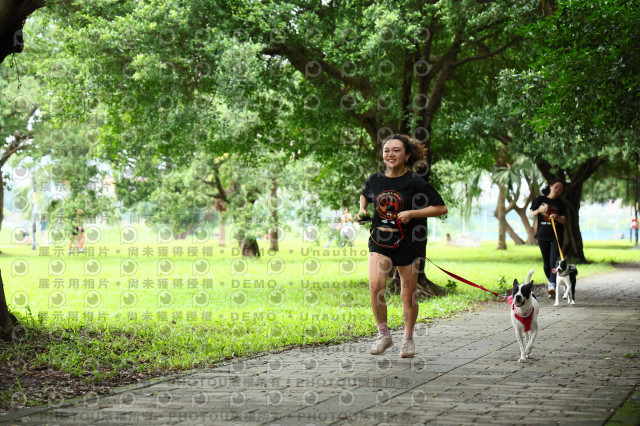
column 565, row 275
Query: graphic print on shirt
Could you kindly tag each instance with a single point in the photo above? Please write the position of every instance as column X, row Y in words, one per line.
column 388, row 205
column 551, row 210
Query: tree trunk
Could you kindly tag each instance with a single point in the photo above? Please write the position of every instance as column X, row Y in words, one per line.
column 515, row 237
column 6, row 321
column 222, row 239
column 273, row 232
column 249, row 247
column 13, row 13
column 531, row 234
column 573, row 246
column 426, row 287
column 1, row 202
column 502, row 222
column 512, row 206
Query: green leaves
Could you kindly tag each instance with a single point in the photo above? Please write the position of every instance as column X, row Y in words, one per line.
column 588, row 66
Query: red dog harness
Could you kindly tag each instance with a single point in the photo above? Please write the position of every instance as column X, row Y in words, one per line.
column 526, row 321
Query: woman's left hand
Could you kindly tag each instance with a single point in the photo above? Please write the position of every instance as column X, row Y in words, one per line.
column 404, row 216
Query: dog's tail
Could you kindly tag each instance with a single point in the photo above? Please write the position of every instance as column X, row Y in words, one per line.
column 529, row 275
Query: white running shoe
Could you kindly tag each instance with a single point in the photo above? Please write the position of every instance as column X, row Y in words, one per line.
column 381, row 344
column 408, row 348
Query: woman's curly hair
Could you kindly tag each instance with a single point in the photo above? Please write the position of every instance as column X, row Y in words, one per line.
column 418, row 153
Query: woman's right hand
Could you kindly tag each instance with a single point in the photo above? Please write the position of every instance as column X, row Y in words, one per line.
column 362, row 214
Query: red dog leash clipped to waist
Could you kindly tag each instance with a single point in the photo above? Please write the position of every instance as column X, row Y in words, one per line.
column 451, row 274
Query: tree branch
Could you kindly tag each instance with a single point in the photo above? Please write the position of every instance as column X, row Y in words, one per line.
column 222, row 194
column 300, row 57
column 487, row 55
column 403, row 125
column 13, row 147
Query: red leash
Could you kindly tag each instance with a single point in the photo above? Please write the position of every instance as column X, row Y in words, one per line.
column 451, row 274
column 458, row 277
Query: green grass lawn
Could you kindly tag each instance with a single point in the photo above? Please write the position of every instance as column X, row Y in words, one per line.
column 147, row 306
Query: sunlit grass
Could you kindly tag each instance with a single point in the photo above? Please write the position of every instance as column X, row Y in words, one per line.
column 186, row 304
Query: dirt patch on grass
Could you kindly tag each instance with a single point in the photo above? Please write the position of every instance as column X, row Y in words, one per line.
column 27, row 381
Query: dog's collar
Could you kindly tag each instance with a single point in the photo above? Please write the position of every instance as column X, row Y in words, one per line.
column 564, row 273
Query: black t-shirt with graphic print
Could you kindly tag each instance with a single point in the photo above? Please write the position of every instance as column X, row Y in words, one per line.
column 393, row 195
column 545, row 229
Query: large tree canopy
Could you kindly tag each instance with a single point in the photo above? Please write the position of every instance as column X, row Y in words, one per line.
column 352, row 73
column 322, row 78
column 578, row 101
column 589, row 59
column 378, row 67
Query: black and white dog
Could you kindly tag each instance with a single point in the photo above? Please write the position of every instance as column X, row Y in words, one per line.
column 524, row 315
column 566, row 275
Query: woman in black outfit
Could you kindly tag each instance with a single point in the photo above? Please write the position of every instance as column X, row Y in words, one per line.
column 403, row 201
column 548, row 206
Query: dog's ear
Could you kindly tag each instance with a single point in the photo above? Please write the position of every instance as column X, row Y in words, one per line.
column 515, row 283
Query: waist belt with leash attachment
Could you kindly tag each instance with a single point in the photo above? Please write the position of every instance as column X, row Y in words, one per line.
column 396, row 244
column 451, row 274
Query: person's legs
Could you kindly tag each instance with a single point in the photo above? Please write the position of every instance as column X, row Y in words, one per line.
column 554, row 256
column 379, row 267
column 409, row 285
column 410, row 307
column 546, row 250
column 80, row 242
column 332, row 234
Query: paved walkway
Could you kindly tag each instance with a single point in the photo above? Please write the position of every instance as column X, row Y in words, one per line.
column 586, row 363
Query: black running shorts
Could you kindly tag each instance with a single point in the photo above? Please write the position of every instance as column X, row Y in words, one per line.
column 405, row 254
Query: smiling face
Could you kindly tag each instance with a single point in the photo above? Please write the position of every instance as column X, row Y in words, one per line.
column 394, row 154
column 556, row 190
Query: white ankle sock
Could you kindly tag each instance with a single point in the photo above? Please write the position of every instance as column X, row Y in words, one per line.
column 383, row 329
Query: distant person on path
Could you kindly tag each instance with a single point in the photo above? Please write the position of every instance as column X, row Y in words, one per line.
column 548, row 206
column 77, row 233
column 43, row 229
column 334, row 231
column 402, row 202
column 347, row 231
